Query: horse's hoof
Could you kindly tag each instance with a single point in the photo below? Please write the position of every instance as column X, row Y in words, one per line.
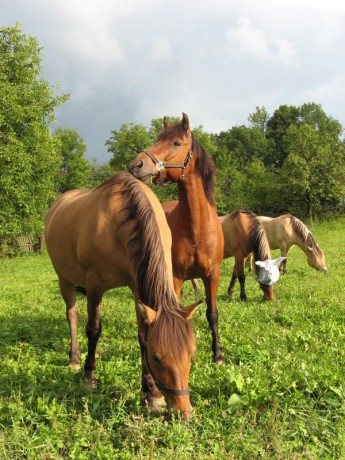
column 219, row 360
column 74, row 366
column 154, row 404
column 90, row 384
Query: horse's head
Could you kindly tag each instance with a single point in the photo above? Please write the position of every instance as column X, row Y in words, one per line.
column 267, row 274
column 168, row 157
column 316, row 258
column 169, row 349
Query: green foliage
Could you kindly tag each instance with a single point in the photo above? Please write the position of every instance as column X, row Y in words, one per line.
column 75, row 169
column 126, row 143
column 99, row 173
column 28, row 154
column 281, row 394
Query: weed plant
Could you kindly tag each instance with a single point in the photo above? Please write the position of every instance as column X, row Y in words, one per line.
column 279, row 396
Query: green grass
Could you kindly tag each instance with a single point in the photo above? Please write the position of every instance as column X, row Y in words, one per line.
column 280, row 395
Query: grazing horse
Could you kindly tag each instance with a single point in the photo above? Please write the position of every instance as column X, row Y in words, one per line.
column 244, row 236
column 197, row 246
column 117, row 235
column 284, row 231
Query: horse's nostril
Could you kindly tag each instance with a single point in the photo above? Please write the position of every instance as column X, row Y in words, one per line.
column 136, row 165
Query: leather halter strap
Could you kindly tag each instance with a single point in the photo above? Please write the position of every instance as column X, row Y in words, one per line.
column 161, row 386
column 161, row 165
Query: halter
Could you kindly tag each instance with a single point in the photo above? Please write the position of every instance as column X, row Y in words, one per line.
column 161, row 165
column 160, row 385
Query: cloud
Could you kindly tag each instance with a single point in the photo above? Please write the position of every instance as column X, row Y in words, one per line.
column 244, row 40
column 161, row 49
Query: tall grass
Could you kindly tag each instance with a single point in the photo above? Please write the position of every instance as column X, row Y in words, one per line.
column 280, row 395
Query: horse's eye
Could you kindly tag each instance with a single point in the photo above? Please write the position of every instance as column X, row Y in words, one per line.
column 177, row 143
column 156, row 359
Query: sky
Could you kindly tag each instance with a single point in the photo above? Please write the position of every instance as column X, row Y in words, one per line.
column 126, row 61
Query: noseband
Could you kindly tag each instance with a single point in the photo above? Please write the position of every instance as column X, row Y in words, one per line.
column 161, row 165
column 161, row 386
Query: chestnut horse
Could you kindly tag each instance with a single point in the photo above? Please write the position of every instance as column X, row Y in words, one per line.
column 197, row 246
column 284, row 231
column 117, row 235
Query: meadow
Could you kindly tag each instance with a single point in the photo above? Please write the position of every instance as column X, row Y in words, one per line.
column 281, row 394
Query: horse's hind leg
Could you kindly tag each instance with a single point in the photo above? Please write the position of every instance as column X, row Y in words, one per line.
column 68, row 293
column 93, row 331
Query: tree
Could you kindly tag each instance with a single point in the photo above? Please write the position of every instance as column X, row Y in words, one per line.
column 125, row 144
column 28, row 154
column 277, row 126
column 75, row 169
column 313, row 171
column 99, row 173
column 259, row 119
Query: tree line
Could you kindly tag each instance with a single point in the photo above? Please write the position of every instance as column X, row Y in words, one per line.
column 291, row 161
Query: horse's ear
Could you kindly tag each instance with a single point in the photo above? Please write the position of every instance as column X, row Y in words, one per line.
column 278, row 260
column 185, row 121
column 165, row 122
column 147, row 313
column 190, row 310
column 260, row 263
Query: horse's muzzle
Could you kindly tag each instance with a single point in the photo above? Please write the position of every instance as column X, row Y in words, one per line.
column 138, row 170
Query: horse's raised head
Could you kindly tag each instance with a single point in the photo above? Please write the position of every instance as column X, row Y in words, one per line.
column 168, row 157
column 267, row 274
column 316, row 258
column 169, row 349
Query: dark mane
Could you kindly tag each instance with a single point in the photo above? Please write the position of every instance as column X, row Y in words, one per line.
column 303, row 233
column 171, row 329
column 204, row 166
column 257, row 237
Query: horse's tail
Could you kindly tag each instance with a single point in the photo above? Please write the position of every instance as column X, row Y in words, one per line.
column 258, row 239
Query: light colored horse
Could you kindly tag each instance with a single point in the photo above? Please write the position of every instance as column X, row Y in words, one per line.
column 117, row 235
column 285, row 231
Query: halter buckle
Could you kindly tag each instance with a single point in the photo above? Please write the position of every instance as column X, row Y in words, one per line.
column 160, row 165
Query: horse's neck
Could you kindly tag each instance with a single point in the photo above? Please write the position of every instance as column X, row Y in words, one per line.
column 193, row 200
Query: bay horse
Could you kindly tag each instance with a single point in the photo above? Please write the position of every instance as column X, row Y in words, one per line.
column 197, row 237
column 285, row 231
column 117, row 235
column 244, row 236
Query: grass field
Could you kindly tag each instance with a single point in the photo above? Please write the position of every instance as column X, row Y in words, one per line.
column 281, row 394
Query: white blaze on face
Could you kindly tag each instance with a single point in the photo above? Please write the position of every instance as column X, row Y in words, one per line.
column 268, row 272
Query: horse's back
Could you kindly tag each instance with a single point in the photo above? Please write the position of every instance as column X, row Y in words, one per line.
column 87, row 233
column 236, row 227
column 278, row 230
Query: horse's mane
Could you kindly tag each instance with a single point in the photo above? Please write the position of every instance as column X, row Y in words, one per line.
column 257, row 237
column 204, row 165
column 154, row 287
column 304, row 233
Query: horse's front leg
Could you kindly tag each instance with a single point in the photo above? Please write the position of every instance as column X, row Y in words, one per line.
column 232, row 284
column 93, row 332
column 211, row 289
column 241, row 278
column 68, row 293
column 283, row 252
column 153, row 398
